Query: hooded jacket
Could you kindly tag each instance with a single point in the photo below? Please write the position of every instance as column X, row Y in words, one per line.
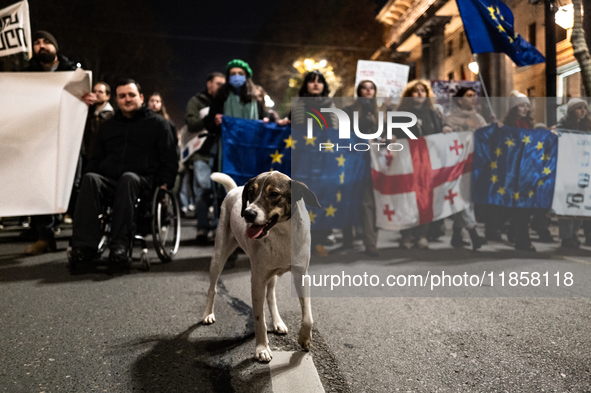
column 143, row 145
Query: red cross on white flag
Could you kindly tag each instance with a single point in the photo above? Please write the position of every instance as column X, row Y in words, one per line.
column 427, row 180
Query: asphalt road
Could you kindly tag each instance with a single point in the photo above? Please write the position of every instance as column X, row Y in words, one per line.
column 105, row 330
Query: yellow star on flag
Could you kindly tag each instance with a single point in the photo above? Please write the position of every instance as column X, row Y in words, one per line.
column 546, row 171
column 501, row 190
column 312, row 216
column 341, row 160
column 516, row 195
column 330, row 211
column 271, row 170
column 526, row 139
column 290, row 142
column 531, row 193
column 276, row 157
column 493, row 165
column 540, row 146
column 339, row 196
column 499, row 151
column 540, row 183
column 342, row 177
column 310, row 141
column 330, row 149
column 509, row 142
column 545, row 157
column 494, row 179
column 492, row 12
column 501, row 30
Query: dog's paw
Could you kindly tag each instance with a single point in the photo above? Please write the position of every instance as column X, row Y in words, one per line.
column 305, row 339
column 263, row 353
column 209, row 319
column 280, row 328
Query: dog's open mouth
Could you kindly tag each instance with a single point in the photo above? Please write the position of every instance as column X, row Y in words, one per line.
column 260, row 231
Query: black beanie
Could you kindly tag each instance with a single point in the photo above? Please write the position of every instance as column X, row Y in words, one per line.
column 48, row 36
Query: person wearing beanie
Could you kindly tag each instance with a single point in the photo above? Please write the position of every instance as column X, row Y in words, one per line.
column 577, row 119
column 236, row 98
column 46, row 58
column 519, row 112
column 577, row 116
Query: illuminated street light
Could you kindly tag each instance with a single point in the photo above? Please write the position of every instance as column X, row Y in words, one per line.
column 565, row 17
column 473, row 67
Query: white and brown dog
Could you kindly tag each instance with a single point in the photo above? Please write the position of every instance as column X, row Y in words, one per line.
column 267, row 217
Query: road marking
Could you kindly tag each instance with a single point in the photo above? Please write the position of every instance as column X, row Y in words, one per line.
column 573, row 259
column 294, row 372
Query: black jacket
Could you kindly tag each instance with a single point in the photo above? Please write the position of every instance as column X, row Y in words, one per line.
column 64, row 64
column 143, row 145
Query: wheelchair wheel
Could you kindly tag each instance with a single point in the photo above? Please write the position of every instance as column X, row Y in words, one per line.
column 166, row 224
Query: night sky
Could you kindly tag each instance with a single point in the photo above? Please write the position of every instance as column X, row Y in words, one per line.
column 198, row 33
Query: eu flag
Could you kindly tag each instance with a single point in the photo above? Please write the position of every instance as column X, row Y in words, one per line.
column 514, row 167
column 337, row 174
column 251, row 147
column 489, row 28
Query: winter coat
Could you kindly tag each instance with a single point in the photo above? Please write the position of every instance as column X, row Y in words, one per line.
column 463, row 120
column 143, row 145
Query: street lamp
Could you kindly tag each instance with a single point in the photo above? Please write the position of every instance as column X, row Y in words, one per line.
column 474, row 67
column 565, row 16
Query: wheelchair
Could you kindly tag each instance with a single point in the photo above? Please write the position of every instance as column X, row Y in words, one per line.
column 161, row 219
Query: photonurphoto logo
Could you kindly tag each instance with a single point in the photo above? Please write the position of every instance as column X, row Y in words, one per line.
column 392, row 122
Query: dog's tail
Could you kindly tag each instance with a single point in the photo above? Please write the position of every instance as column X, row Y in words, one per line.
column 225, row 180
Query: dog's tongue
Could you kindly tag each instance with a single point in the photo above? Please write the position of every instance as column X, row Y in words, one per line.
column 254, row 231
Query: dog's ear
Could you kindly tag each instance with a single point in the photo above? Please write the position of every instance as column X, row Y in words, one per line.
column 299, row 190
column 245, row 195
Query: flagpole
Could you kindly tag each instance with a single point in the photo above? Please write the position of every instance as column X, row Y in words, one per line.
column 484, row 88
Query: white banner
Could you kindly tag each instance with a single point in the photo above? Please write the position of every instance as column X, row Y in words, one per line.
column 429, row 179
column 390, row 78
column 43, row 122
column 572, row 196
column 191, row 142
column 15, row 29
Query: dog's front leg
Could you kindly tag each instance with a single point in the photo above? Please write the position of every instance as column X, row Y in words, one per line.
column 278, row 325
column 258, row 287
column 303, row 290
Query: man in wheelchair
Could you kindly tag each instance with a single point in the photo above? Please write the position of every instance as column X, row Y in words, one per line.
column 134, row 151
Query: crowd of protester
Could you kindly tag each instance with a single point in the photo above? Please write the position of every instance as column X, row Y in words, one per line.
column 233, row 93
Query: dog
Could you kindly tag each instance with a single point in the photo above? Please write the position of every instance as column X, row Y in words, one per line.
column 267, row 218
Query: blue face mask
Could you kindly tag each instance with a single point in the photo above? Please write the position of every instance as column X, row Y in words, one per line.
column 237, row 81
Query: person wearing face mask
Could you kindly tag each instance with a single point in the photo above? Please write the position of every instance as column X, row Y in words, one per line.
column 577, row 118
column 236, row 98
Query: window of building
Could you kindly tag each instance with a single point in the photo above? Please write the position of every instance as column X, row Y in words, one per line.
column 462, row 39
column 561, row 34
column 532, row 34
column 462, row 73
column 450, row 48
column 450, row 76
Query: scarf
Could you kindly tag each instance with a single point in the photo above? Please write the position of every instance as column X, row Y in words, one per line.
column 236, row 108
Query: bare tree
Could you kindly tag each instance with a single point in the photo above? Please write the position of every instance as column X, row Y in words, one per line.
column 581, row 50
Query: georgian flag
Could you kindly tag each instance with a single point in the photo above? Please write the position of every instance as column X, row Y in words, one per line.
column 429, row 179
